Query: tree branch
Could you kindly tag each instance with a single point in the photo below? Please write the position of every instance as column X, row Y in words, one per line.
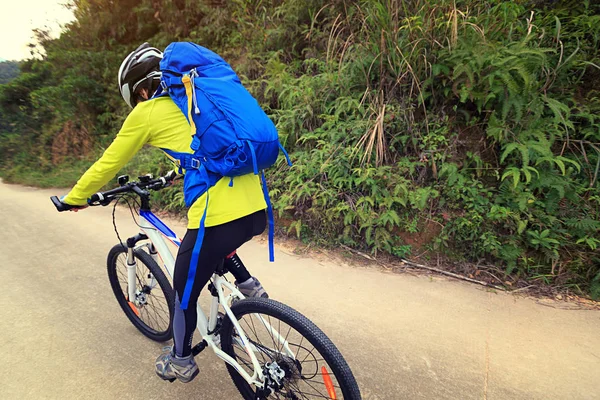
column 464, row 278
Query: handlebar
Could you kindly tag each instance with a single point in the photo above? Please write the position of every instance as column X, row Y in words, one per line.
column 60, row 206
column 140, row 188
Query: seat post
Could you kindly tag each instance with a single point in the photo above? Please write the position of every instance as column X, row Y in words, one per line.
column 221, row 268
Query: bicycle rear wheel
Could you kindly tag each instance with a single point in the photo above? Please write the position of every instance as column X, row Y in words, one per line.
column 305, row 364
column 152, row 310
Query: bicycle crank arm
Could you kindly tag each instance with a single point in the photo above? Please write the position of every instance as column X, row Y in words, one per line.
column 197, row 349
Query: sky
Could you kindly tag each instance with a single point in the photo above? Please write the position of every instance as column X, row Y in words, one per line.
column 20, row 17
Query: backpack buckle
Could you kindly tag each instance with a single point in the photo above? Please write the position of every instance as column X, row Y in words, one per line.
column 187, row 162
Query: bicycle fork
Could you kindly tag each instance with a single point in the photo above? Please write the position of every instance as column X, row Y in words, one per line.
column 131, row 275
column 150, row 283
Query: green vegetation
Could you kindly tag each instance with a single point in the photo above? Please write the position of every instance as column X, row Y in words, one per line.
column 8, row 71
column 464, row 128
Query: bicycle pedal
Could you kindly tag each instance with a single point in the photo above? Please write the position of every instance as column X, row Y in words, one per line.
column 197, row 349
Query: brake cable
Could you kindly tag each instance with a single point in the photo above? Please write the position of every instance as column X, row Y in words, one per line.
column 125, row 198
column 114, row 220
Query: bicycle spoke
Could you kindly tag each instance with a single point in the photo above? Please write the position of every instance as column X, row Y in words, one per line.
column 298, row 390
column 120, row 269
column 287, row 335
column 312, row 379
column 270, row 331
column 253, row 327
column 247, row 362
column 273, row 338
column 145, row 310
column 257, row 338
column 281, row 343
column 158, row 320
column 320, row 383
column 318, row 359
column 313, row 388
column 256, row 335
column 159, row 315
column 160, row 300
column 249, row 365
column 304, row 394
column 309, row 353
column 299, row 347
column 125, row 276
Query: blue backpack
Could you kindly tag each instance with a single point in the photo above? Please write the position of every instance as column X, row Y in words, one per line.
column 232, row 135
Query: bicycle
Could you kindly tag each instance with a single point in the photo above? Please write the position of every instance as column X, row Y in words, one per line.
column 270, row 349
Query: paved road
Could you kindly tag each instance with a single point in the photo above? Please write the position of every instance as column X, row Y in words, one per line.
column 405, row 337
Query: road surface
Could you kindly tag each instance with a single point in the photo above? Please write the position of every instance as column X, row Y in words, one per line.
column 404, row 336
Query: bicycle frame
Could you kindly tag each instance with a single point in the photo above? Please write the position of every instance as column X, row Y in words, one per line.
column 156, row 232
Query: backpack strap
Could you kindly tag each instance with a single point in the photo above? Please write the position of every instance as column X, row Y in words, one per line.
column 285, row 153
column 253, row 152
column 189, row 283
column 193, row 74
column 183, row 160
column 271, row 219
column 269, row 205
column 191, row 95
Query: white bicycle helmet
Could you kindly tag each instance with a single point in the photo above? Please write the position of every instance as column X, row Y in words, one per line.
column 139, row 69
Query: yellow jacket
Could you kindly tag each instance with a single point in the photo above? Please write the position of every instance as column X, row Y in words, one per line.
column 160, row 123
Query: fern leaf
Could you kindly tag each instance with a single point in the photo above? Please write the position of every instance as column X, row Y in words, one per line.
column 560, row 110
column 507, row 150
column 515, row 173
column 568, row 160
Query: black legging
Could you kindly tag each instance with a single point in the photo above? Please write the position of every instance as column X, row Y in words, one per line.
column 219, row 241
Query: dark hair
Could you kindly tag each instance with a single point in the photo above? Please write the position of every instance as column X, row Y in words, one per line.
column 153, row 86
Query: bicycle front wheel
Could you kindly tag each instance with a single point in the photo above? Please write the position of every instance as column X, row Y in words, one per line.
column 152, row 309
column 300, row 360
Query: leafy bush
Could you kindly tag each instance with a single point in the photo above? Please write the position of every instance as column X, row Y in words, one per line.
column 464, row 128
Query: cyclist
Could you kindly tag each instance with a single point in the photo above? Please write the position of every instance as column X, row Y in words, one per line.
column 235, row 214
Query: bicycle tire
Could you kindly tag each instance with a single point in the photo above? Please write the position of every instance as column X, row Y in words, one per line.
column 307, row 329
column 158, row 334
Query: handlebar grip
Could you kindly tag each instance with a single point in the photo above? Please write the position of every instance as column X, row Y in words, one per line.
column 95, row 198
column 170, row 176
column 60, row 206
